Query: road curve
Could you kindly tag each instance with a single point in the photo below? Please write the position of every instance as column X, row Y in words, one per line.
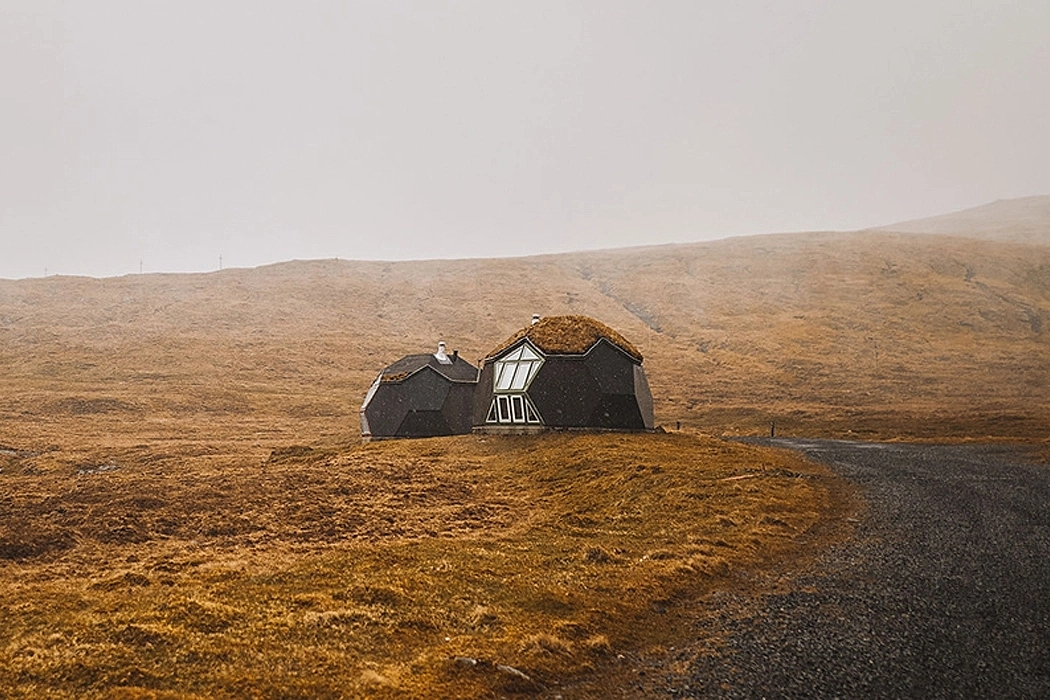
column 943, row 591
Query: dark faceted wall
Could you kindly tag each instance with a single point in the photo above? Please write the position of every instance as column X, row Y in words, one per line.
column 458, row 407
column 564, row 392
column 483, row 393
column 610, row 367
column 645, row 397
column 425, row 404
column 603, row 389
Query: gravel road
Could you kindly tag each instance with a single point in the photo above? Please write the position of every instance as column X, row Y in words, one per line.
column 944, row 591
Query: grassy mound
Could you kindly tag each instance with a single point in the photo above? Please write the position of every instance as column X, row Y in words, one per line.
column 568, row 335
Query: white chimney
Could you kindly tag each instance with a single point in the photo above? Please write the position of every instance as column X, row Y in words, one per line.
column 535, row 319
column 441, row 356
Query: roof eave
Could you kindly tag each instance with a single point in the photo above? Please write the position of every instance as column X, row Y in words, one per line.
column 630, row 356
column 523, row 340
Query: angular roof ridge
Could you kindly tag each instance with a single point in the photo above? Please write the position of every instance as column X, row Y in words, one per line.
column 459, row 370
column 567, row 335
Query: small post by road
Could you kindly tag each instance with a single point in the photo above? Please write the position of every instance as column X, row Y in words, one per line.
column 772, row 428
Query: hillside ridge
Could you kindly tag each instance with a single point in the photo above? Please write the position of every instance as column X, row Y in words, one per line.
column 1020, row 220
column 864, row 333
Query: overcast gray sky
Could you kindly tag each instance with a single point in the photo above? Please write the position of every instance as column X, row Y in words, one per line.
column 175, row 132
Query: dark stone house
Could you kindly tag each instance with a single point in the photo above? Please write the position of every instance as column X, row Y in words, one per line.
column 563, row 372
column 421, row 396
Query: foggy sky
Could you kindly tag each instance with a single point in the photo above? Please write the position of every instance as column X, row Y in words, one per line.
column 175, row 132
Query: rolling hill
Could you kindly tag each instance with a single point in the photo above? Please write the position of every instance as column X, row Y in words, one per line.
column 1023, row 220
column 187, row 510
column 865, row 333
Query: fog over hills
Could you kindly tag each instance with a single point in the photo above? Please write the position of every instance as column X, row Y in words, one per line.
column 863, row 333
column 1023, row 220
column 310, row 191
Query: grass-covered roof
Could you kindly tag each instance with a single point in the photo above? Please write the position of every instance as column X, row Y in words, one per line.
column 458, row 369
column 568, row 335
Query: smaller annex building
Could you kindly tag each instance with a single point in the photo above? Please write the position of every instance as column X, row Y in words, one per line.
column 421, row 396
column 563, row 372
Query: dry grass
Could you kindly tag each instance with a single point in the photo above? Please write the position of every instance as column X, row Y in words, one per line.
column 870, row 335
column 368, row 569
column 568, row 335
column 854, row 335
column 185, row 510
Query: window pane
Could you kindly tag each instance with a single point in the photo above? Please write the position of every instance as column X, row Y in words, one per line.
column 519, row 409
column 492, row 413
column 533, row 370
column 528, row 354
column 530, row 415
column 521, row 376
column 504, row 409
column 506, row 374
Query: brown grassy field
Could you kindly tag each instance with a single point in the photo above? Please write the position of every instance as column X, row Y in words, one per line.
column 186, row 511
column 878, row 335
column 366, row 570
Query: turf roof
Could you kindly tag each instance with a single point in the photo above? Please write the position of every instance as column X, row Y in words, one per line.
column 459, row 370
column 568, row 335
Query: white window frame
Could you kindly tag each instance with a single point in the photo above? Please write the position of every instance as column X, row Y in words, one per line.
column 512, row 375
column 514, row 409
column 517, row 408
column 503, row 414
column 514, row 372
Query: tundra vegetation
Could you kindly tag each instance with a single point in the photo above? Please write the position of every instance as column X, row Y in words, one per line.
column 185, row 510
column 429, row 568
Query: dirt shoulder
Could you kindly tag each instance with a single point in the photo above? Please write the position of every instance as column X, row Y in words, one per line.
column 940, row 592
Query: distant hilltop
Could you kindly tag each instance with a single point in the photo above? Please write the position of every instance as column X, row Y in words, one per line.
column 1023, row 220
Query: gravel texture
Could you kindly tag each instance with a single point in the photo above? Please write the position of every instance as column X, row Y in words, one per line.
column 942, row 591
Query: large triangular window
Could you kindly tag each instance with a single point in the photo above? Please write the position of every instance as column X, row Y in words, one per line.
column 516, row 370
column 512, row 375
